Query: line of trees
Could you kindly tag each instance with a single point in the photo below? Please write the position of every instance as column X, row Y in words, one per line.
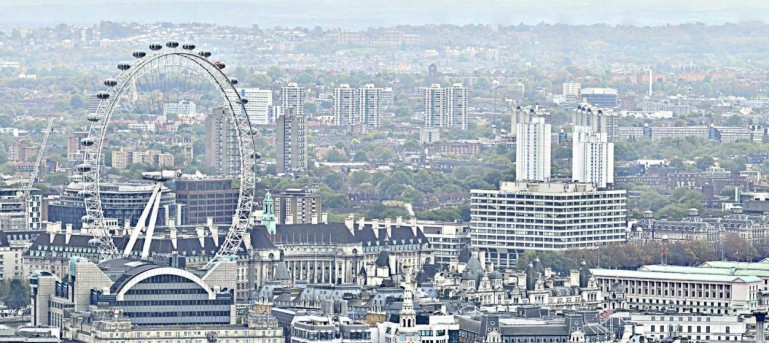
column 634, row 255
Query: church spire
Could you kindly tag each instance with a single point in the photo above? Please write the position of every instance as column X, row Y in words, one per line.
column 408, row 315
column 268, row 213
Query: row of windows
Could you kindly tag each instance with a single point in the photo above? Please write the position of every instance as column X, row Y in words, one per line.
column 707, row 338
column 576, row 233
column 171, row 291
column 212, row 202
column 671, row 328
column 534, row 239
column 557, row 197
column 129, row 303
column 179, row 314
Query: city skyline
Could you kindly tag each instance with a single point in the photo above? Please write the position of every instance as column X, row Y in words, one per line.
column 384, row 182
column 369, row 14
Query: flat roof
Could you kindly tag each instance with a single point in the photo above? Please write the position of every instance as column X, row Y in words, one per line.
column 738, row 265
column 706, row 270
column 639, row 274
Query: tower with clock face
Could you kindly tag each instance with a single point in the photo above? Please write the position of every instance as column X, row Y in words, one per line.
column 408, row 316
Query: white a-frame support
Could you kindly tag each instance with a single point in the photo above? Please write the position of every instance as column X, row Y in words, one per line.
column 151, row 211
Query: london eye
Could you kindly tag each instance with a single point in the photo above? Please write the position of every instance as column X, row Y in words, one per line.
column 195, row 70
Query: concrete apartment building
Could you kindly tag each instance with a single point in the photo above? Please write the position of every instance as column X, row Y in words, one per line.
column 291, row 142
column 537, row 216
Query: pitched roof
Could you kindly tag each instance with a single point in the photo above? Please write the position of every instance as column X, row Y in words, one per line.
column 331, row 233
column 383, row 260
column 474, row 265
column 465, row 254
column 260, row 238
column 281, row 271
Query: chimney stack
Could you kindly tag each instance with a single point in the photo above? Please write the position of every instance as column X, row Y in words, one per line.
column 350, row 222
column 172, row 233
column 68, row 234
column 200, row 231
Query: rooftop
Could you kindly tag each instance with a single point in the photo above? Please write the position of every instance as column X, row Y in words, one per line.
column 706, row 270
column 739, row 265
column 549, row 188
column 639, row 274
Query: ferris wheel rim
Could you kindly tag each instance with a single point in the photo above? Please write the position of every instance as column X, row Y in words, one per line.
column 232, row 102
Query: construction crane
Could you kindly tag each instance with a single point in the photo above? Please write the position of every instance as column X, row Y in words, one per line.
column 27, row 190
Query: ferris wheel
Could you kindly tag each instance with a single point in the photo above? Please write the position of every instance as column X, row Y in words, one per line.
column 194, row 68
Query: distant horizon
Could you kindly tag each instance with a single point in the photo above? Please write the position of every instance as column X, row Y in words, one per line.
column 332, row 14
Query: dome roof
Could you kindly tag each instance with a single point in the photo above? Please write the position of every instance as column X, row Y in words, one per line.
column 468, row 275
column 495, row 275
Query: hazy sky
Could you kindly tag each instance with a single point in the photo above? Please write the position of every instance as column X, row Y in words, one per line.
column 361, row 14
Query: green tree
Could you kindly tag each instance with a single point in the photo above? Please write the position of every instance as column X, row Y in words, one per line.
column 442, row 214
column 57, row 179
column 334, row 181
column 704, row 162
column 76, row 102
column 335, row 155
column 18, row 295
column 310, row 108
column 360, row 156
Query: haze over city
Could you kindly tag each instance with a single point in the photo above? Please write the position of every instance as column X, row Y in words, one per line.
column 384, row 171
column 364, row 14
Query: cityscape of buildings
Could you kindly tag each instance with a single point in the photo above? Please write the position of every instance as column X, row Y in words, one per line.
column 412, row 185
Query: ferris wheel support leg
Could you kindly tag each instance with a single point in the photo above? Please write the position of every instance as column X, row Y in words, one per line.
column 142, row 223
column 151, row 227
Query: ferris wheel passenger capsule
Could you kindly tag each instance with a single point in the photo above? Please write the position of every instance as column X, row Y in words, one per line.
column 110, row 82
column 172, row 44
column 102, row 95
column 85, row 193
column 155, row 47
column 93, row 117
column 188, row 46
column 139, row 54
column 124, row 66
column 204, row 54
column 83, row 168
column 87, row 141
column 233, row 81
